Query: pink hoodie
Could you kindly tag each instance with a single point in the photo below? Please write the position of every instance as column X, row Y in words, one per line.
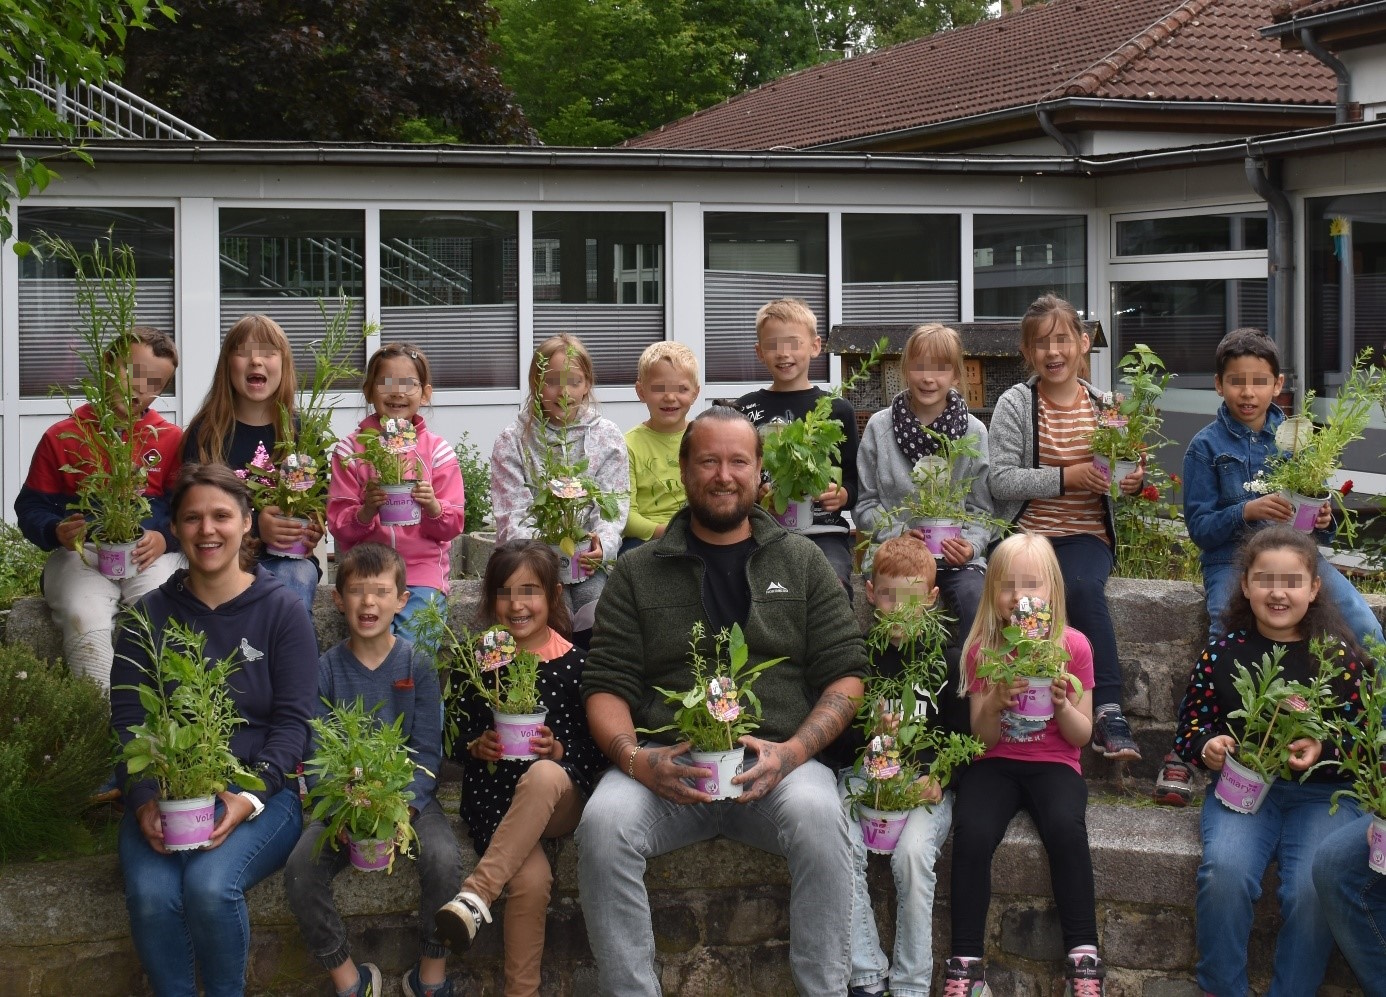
column 424, row 547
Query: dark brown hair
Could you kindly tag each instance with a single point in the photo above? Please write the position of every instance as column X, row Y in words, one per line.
column 509, row 558
column 388, row 352
column 368, row 560
column 224, row 479
column 1247, row 341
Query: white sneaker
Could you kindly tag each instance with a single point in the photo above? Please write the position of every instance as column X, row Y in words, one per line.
column 459, row 919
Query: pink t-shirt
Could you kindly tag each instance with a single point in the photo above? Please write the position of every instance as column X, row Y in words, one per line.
column 1040, row 741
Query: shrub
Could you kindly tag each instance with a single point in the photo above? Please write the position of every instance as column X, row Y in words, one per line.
column 55, row 751
column 21, row 566
column 476, row 483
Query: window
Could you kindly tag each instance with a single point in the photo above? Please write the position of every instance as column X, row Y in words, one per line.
column 1184, row 320
column 1346, row 281
column 600, row 276
column 1175, row 234
column 750, row 259
column 1016, row 258
column 282, row 261
column 47, row 304
column 900, row 268
column 449, row 284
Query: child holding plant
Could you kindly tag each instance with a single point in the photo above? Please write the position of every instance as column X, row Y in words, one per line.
column 786, row 342
column 560, row 473
column 1281, row 603
column 238, row 424
column 188, row 915
column 1028, row 764
column 134, row 370
column 923, row 421
column 1043, row 480
column 511, row 806
column 388, row 676
column 903, row 584
column 401, row 450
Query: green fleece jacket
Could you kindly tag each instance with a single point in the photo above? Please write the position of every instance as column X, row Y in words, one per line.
column 653, row 597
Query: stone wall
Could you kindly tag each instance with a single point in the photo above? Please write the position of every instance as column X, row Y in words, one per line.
column 720, row 909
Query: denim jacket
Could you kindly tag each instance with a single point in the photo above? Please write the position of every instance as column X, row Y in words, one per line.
column 1222, row 457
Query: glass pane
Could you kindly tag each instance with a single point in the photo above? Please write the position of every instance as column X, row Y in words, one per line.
column 899, row 248
column 1191, row 234
column 1184, row 320
column 47, row 304
column 292, row 253
column 1346, row 280
column 599, row 257
column 752, row 258
column 1016, row 258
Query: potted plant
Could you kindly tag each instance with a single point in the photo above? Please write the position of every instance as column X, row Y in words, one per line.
column 184, row 742
column 1361, row 755
column 563, row 496
column 802, row 457
column 507, row 680
column 711, row 715
column 1274, row 712
column 1129, row 424
column 360, row 777
column 1028, row 654
column 891, row 777
column 294, row 478
column 391, row 452
column 938, row 504
column 1309, row 455
column 111, row 494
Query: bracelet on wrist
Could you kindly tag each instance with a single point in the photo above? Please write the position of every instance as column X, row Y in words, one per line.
column 630, row 761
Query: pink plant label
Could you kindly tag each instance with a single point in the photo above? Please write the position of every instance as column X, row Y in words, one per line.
column 1036, row 702
column 188, row 828
column 936, row 533
column 399, row 436
column 1376, row 850
column 1033, row 616
column 796, row 515
column 723, row 765
column 881, row 831
column 515, row 732
column 370, row 856
column 570, row 567
column 399, row 509
column 567, row 488
column 882, row 758
column 116, row 562
column 496, row 651
column 721, row 699
column 1306, row 512
column 1240, row 789
column 299, row 472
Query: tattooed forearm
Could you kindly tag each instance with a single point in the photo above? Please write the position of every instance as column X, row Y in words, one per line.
column 828, row 719
column 618, row 748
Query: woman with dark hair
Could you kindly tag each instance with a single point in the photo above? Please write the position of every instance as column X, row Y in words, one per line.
column 511, row 808
column 187, row 909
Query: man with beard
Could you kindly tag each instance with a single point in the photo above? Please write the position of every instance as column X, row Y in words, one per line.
column 722, row 561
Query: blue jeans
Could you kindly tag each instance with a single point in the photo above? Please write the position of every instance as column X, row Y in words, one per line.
column 912, row 864
column 1221, row 582
column 1086, row 563
column 1236, row 850
column 625, row 825
column 299, row 575
column 1353, row 900
column 188, row 909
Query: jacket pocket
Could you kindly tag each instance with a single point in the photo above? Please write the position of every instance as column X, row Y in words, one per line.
column 1231, row 475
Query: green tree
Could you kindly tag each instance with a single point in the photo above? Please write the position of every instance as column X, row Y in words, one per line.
column 77, row 40
column 331, row 70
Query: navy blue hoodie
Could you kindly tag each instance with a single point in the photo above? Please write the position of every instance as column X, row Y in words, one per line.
column 275, row 684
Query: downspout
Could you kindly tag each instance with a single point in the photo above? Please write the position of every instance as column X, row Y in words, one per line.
column 1050, row 129
column 1280, row 259
column 1312, row 46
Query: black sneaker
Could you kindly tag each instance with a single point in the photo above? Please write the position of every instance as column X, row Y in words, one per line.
column 369, row 983
column 865, row 992
column 1084, row 977
column 1173, row 786
column 1111, row 737
column 460, row 919
column 964, row 980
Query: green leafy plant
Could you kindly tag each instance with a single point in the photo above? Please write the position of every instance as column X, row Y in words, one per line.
column 392, row 465
column 1362, row 743
column 294, row 480
column 184, row 742
column 940, row 492
column 713, row 719
column 489, row 662
column 434, row 638
column 1276, row 711
column 1027, row 650
column 360, row 775
column 21, row 566
column 802, row 457
column 55, row 750
column 563, row 491
column 113, row 478
column 1152, row 541
column 476, row 482
column 1309, row 454
column 1129, row 424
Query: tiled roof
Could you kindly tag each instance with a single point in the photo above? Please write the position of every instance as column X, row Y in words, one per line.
column 1304, row 8
column 1158, row 50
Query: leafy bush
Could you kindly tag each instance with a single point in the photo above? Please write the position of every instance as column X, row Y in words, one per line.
column 21, row 566
column 1152, row 541
column 54, row 752
column 476, row 483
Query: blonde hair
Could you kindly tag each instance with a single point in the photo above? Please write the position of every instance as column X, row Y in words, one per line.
column 987, row 627
column 937, row 342
column 905, row 557
column 216, row 418
column 683, row 360
column 791, row 311
column 1047, row 314
column 571, row 347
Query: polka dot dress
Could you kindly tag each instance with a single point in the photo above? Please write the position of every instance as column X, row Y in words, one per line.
column 1211, row 696
column 486, row 795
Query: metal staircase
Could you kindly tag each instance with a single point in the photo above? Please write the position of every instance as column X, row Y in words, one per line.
column 108, row 110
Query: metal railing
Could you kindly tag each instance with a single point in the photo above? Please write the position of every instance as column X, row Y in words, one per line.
column 108, row 110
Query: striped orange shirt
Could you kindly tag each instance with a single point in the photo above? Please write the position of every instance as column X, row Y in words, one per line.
column 1065, row 439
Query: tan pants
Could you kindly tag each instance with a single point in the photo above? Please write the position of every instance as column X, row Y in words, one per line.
column 546, row 805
